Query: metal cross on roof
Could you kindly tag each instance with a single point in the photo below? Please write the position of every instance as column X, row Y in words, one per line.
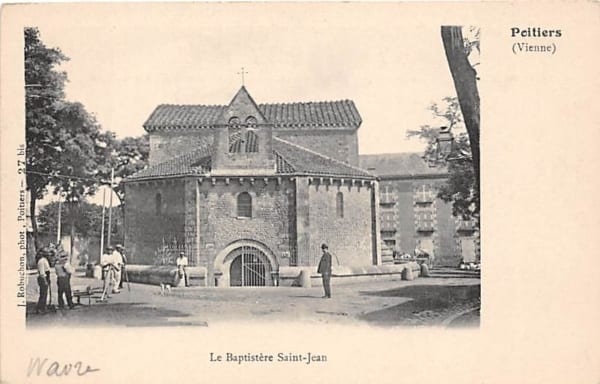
column 242, row 73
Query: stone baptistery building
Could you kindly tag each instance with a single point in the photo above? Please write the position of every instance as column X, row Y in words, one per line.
column 245, row 189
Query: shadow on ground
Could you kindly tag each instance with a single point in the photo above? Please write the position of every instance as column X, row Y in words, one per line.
column 428, row 305
column 110, row 314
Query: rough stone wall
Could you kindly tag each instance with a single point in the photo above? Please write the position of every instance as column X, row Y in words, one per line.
column 165, row 145
column 339, row 144
column 145, row 228
column 269, row 224
column 349, row 237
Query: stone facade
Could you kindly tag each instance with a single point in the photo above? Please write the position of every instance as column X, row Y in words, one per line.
column 410, row 212
column 340, row 215
column 340, row 144
column 165, row 145
column 233, row 191
column 154, row 217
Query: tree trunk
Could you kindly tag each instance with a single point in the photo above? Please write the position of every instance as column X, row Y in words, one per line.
column 465, row 82
column 34, row 227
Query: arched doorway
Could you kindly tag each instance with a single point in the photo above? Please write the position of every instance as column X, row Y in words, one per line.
column 245, row 263
column 248, row 268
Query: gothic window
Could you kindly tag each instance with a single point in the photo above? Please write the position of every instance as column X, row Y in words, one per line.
column 235, row 131
column 339, row 205
column 158, row 203
column 244, row 205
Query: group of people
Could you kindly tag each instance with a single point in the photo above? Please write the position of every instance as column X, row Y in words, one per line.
column 113, row 271
column 60, row 259
column 419, row 254
column 113, row 264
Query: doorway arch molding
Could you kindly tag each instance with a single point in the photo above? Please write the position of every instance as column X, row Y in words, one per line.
column 226, row 256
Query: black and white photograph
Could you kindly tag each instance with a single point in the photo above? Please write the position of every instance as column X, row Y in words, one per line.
column 299, row 192
column 273, row 194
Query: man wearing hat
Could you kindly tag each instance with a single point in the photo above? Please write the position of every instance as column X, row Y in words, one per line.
column 43, row 267
column 117, row 263
column 325, row 270
column 119, row 248
column 108, row 269
column 182, row 263
column 64, row 270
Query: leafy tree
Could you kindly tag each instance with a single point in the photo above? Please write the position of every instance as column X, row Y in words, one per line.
column 65, row 144
column 127, row 156
column 465, row 78
column 447, row 115
column 44, row 86
column 462, row 112
column 460, row 188
column 86, row 219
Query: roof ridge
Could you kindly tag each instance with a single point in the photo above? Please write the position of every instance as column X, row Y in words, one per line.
column 307, row 102
column 322, row 155
column 190, row 105
column 392, row 153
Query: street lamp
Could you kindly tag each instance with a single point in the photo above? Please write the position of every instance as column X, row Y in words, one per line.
column 443, row 144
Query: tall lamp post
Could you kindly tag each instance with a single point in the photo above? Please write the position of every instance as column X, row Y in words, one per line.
column 443, row 144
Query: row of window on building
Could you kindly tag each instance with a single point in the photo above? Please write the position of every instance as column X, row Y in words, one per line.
column 244, row 205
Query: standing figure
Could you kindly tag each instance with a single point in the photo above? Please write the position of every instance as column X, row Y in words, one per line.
column 117, row 265
column 119, row 248
column 43, row 267
column 64, row 270
column 182, row 263
column 325, row 270
column 106, row 261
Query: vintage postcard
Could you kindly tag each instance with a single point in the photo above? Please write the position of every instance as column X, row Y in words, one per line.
column 323, row 192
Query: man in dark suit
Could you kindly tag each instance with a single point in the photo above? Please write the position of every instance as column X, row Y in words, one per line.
column 325, row 270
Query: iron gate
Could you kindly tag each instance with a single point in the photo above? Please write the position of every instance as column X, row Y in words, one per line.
column 248, row 268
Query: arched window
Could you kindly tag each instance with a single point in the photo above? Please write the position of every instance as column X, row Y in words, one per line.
column 244, row 205
column 251, row 141
column 234, row 134
column 251, row 138
column 251, row 121
column 158, row 202
column 339, row 204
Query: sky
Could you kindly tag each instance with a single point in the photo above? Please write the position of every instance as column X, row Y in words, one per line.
column 123, row 64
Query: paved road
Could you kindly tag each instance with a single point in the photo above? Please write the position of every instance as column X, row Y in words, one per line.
column 422, row 302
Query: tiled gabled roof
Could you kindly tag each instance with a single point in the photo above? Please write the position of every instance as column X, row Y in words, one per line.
column 289, row 159
column 342, row 113
column 326, row 114
column 197, row 162
column 399, row 164
column 305, row 161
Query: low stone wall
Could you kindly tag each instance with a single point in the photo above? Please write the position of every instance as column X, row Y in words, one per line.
column 288, row 276
column 298, row 276
column 154, row 274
